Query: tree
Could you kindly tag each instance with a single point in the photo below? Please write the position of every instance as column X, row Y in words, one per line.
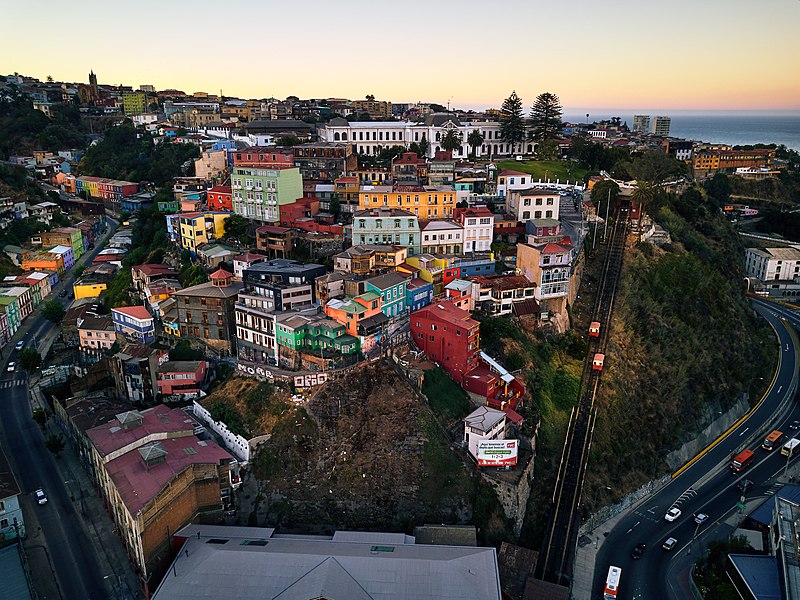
column 546, row 117
column 718, row 187
column 29, row 359
column 547, row 150
column 370, row 98
column 452, row 140
column 602, row 192
column 287, row 140
column 423, row 147
column 512, row 125
column 475, row 140
column 40, row 417
column 55, row 443
column 335, row 207
column 53, row 311
column 236, row 226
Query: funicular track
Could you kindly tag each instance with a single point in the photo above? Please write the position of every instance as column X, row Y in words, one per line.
column 558, row 548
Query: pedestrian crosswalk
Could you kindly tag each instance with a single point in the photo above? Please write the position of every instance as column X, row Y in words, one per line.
column 13, row 383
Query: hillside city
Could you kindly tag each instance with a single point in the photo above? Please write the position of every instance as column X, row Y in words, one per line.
column 335, row 348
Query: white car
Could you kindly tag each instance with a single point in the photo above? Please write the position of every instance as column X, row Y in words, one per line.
column 12, row 366
column 20, row 345
column 40, row 497
column 669, row 544
column 700, row 518
column 672, row 514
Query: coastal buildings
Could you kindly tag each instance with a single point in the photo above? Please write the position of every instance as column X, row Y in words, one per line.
column 425, row 201
column 264, row 179
column 383, row 225
column 661, row 126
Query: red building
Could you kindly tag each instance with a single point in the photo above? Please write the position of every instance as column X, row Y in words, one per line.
column 300, row 208
column 271, row 157
column 449, row 336
column 220, row 198
column 181, row 377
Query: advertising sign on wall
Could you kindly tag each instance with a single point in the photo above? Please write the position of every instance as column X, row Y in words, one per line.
column 497, row 453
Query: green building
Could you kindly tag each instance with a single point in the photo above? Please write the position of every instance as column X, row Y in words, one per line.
column 318, row 333
column 10, row 306
column 134, row 103
column 258, row 192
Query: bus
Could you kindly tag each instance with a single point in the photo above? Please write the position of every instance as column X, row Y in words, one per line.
column 772, row 440
column 741, row 460
column 612, row 583
column 790, row 447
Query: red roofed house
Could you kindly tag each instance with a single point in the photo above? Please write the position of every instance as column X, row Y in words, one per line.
column 156, row 476
column 274, row 241
column 245, row 261
column 134, row 323
column 555, row 268
column 220, row 198
column 508, row 181
column 449, row 336
column 181, row 377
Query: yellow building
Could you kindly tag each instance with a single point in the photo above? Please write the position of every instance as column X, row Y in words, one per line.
column 88, row 288
column 430, row 268
column 134, row 103
column 201, row 228
column 426, row 202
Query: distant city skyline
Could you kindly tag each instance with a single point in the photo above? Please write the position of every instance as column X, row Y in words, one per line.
column 691, row 56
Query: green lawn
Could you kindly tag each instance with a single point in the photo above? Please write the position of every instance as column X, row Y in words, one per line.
column 546, row 169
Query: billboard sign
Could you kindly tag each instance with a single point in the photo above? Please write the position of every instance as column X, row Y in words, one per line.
column 497, row 453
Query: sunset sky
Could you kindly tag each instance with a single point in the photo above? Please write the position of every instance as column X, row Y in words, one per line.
column 623, row 54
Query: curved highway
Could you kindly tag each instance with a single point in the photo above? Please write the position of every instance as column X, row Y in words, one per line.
column 705, row 485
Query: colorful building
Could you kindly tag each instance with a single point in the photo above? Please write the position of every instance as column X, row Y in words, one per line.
column 44, row 261
column 134, row 323
column 197, row 228
column 181, row 377
column 88, row 287
column 478, row 224
column 387, row 226
column 220, row 198
column 134, row 103
column 392, row 288
column 426, row 202
column 419, row 293
column 449, row 336
column 66, row 236
column 67, row 255
column 263, row 180
column 357, row 314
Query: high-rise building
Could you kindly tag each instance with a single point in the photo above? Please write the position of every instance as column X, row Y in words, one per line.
column 641, row 123
column 134, row 103
column 661, row 126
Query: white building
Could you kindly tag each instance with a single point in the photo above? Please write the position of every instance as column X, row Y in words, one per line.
column 483, row 423
column 773, row 264
column 641, row 123
column 661, row 126
column 533, row 203
column 442, row 237
column 478, row 224
column 370, row 137
column 508, row 181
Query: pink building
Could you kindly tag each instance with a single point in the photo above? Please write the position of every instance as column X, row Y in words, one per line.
column 181, row 377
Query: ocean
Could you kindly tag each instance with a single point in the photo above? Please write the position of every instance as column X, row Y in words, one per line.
column 739, row 128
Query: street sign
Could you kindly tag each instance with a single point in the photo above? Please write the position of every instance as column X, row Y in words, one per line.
column 740, row 505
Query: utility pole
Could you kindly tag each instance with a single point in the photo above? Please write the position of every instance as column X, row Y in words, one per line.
column 605, row 227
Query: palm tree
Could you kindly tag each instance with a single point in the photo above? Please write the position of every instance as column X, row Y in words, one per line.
column 475, row 139
column 452, row 140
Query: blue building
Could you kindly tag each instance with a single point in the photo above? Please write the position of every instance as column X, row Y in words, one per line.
column 475, row 265
column 419, row 293
column 392, row 290
column 135, row 323
column 132, row 204
column 392, row 226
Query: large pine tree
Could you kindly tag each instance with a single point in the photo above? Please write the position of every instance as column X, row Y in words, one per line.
column 512, row 125
column 546, row 117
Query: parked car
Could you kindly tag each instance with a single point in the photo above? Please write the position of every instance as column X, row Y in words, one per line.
column 638, row 550
column 672, row 514
column 669, row 544
column 12, row 366
column 700, row 518
column 795, row 425
column 63, row 294
column 20, row 345
column 40, row 497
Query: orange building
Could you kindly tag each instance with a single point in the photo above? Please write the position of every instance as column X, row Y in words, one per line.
column 352, row 312
column 43, row 261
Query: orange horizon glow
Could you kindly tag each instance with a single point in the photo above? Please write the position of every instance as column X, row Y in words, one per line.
column 691, row 56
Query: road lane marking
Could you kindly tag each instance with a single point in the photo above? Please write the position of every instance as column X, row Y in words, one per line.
column 779, row 389
column 743, row 432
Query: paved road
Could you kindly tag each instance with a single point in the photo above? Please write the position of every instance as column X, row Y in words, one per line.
column 72, row 555
column 707, row 486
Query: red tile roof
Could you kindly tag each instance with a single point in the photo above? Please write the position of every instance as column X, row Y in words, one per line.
column 137, row 312
column 220, row 189
column 220, row 274
column 249, row 257
column 512, row 172
column 153, row 269
column 449, row 313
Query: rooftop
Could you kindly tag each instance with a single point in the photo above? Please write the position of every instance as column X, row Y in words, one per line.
column 388, row 280
column 484, row 418
column 138, row 483
column 137, row 312
column 449, row 313
column 352, row 565
column 112, row 436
